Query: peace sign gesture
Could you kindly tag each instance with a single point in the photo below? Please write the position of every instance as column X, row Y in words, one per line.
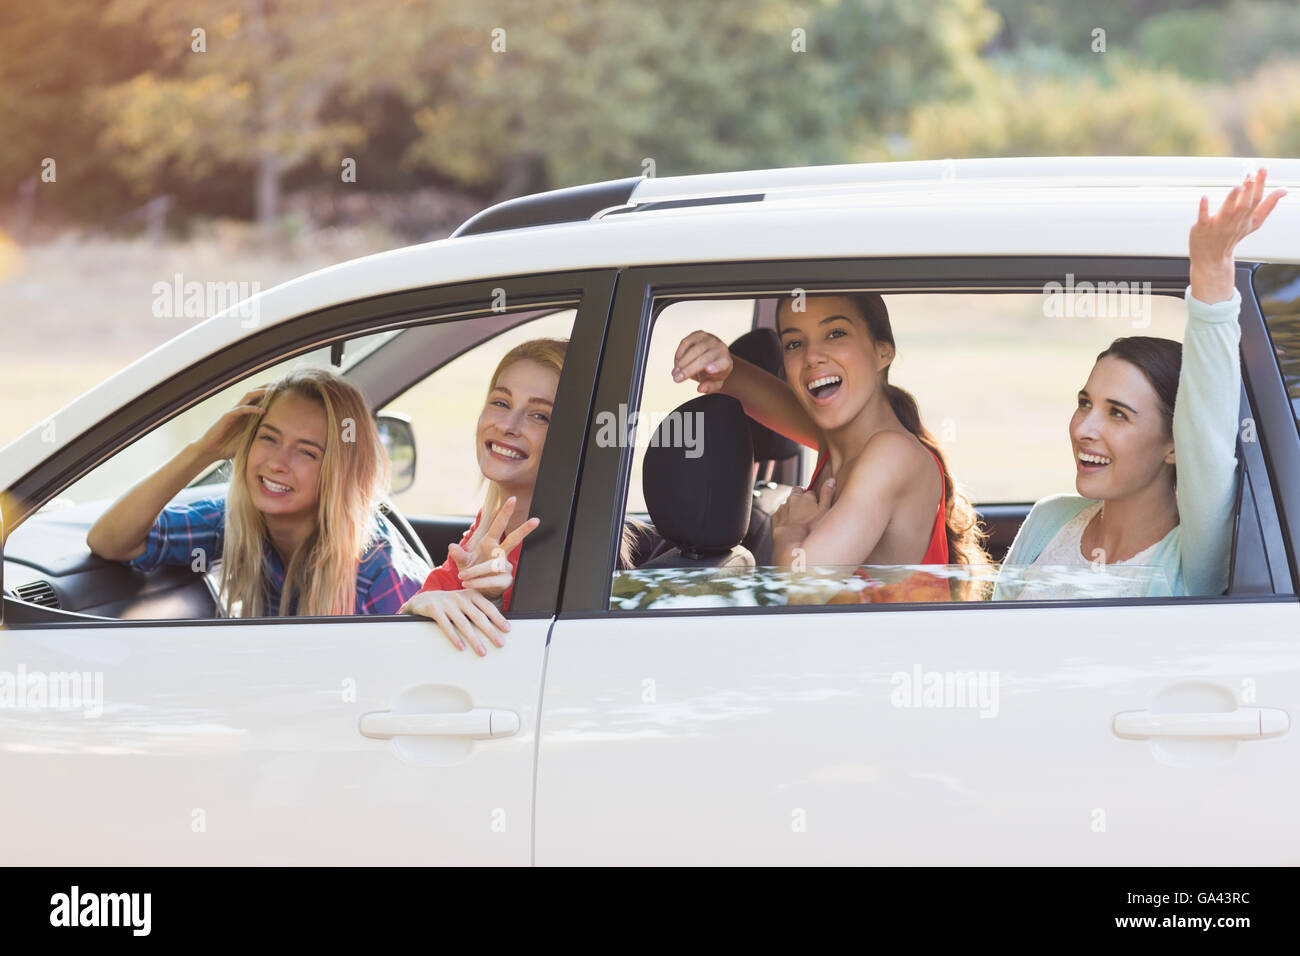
column 484, row 561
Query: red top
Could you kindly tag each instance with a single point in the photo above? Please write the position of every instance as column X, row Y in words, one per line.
column 937, row 551
column 446, row 577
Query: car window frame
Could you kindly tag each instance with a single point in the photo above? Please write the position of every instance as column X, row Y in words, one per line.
column 1269, row 396
column 643, row 290
column 589, row 292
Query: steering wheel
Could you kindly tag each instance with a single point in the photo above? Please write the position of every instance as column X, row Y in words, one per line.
column 398, row 520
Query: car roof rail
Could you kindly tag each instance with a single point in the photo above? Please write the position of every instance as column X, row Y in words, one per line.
column 571, row 204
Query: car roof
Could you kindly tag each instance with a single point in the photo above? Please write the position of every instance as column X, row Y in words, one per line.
column 1098, row 206
column 873, row 182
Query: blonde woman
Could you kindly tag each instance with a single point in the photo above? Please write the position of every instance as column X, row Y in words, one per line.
column 509, row 438
column 299, row 530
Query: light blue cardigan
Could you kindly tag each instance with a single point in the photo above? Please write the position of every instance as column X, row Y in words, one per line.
column 1194, row 555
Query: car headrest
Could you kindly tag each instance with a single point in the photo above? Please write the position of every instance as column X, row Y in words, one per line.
column 696, row 475
column 762, row 347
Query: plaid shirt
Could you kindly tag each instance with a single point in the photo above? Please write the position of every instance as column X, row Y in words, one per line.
column 388, row 574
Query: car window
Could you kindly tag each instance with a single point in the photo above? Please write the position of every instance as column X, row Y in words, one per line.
column 726, row 318
column 125, row 468
column 443, row 409
column 1278, row 287
column 664, row 588
column 439, row 395
column 995, row 377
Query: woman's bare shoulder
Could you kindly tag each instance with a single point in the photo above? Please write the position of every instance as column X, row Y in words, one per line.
column 890, row 459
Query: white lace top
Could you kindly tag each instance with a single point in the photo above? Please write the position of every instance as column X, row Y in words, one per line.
column 1065, row 551
column 1193, row 557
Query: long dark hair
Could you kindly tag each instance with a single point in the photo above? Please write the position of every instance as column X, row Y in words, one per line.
column 965, row 535
column 1160, row 361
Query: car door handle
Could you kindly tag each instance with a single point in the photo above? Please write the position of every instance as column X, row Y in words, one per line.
column 481, row 723
column 1244, row 723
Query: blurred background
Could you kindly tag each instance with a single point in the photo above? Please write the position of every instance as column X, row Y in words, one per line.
column 254, row 140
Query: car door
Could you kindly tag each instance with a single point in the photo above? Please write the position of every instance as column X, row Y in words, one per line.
column 300, row 740
column 1151, row 731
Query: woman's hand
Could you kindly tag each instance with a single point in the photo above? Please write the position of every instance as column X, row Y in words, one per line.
column 462, row 615
column 484, row 562
column 218, row 442
column 797, row 516
column 705, row 358
column 1213, row 239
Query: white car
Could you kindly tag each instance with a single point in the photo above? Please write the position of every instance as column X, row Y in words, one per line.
column 693, row 715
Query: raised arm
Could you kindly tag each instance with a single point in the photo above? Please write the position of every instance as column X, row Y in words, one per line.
column 1209, row 385
column 705, row 358
column 120, row 533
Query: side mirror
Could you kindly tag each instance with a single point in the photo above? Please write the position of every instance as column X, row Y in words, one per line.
column 398, row 438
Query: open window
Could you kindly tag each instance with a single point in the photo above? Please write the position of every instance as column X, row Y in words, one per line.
column 424, row 375
column 996, row 375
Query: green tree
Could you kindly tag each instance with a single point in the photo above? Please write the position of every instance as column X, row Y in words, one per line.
column 585, row 90
column 501, row 96
column 1068, row 25
column 238, row 85
column 1133, row 112
column 52, row 56
column 1222, row 44
column 1271, row 110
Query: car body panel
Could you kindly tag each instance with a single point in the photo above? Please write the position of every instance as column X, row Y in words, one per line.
column 787, row 738
column 700, row 735
column 222, row 744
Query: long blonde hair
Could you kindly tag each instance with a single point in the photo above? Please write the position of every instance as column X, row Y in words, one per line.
column 353, row 482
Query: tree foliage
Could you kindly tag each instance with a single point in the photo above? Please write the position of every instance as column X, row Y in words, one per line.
column 1222, row 43
column 499, row 97
column 1129, row 113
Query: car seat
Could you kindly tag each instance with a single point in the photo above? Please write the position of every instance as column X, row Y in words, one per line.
column 701, row 505
column 762, row 347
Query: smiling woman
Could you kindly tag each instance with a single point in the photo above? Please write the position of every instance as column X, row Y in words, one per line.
column 509, row 438
column 888, row 496
column 299, row 532
column 1153, row 436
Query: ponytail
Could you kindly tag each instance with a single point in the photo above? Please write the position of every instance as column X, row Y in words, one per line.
column 965, row 536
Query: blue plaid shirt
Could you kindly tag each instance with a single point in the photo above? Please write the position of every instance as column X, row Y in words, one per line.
column 388, row 574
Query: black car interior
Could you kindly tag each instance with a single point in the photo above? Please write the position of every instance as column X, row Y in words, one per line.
column 700, row 505
column 762, row 347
